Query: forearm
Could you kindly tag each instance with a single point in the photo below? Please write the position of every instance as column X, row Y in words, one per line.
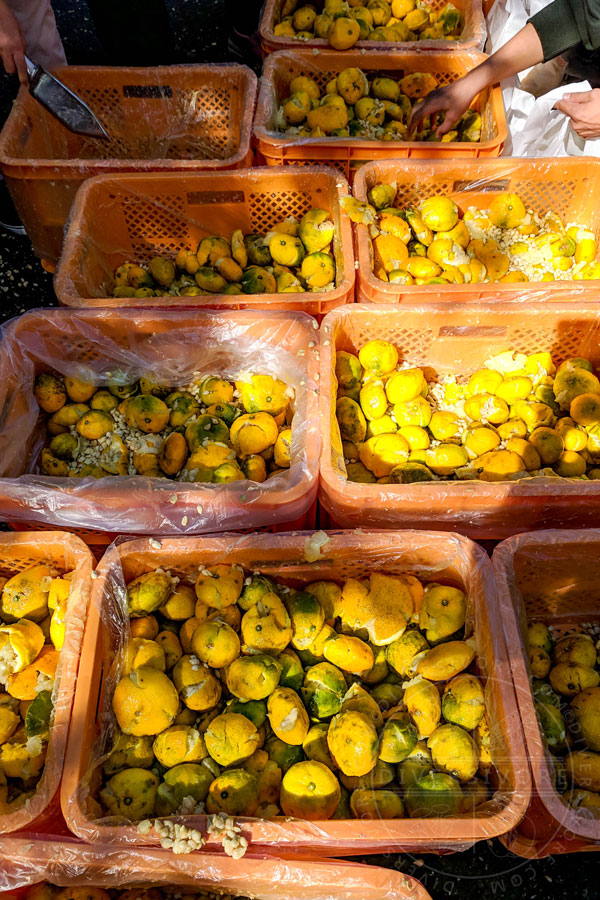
column 521, row 52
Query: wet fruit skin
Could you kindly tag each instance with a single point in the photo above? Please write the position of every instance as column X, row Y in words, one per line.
column 518, row 417
column 239, row 263
column 332, row 720
column 154, row 430
column 382, row 23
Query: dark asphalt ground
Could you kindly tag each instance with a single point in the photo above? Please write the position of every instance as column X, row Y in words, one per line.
column 487, row 871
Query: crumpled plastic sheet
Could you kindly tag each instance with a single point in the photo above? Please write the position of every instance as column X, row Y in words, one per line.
column 281, row 69
column 173, row 346
column 456, row 339
column 300, row 558
column 169, row 117
column 72, row 864
column 553, row 577
column 538, row 130
column 66, row 553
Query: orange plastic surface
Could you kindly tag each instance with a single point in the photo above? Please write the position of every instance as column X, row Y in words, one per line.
column 455, row 339
column 347, row 154
column 120, row 219
column 72, row 864
column 174, row 118
column 567, row 187
column 431, row 556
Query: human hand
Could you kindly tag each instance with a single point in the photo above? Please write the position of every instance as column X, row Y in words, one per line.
column 584, row 111
column 452, row 100
column 12, row 45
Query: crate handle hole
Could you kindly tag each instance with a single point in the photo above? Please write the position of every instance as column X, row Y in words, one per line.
column 201, row 197
column 481, row 186
column 147, row 91
column 470, row 331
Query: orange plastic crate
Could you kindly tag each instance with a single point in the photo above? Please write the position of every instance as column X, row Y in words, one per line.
column 65, row 553
column 99, row 541
column 551, row 577
column 455, row 339
column 568, row 187
column 173, row 118
column 472, row 38
column 71, row 864
column 116, row 219
column 432, row 556
column 172, row 344
column 347, row 154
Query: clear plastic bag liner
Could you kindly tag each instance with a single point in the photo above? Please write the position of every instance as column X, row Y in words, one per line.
column 172, row 346
column 431, row 556
column 455, row 339
column 72, row 864
column 166, row 119
column 159, row 117
column 473, row 35
column 64, row 553
column 131, row 218
column 281, row 68
column 551, row 577
column 565, row 186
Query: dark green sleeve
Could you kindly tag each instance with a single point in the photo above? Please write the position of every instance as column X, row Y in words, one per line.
column 557, row 28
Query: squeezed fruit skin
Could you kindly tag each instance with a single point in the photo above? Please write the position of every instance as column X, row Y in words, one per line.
column 566, row 698
column 159, row 431
column 36, row 616
column 352, row 741
column 131, row 793
column 218, row 723
column 398, row 427
column 451, row 246
column 309, row 790
column 241, row 263
column 135, row 702
column 374, row 21
column 433, row 795
column 231, row 739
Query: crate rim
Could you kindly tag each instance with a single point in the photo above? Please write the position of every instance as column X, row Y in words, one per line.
column 432, row 831
column 42, row 164
column 370, row 290
column 502, row 562
column 289, row 143
column 64, row 287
